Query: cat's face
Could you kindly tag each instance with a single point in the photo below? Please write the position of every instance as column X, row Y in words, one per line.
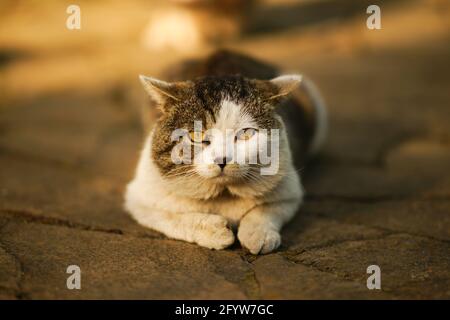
column 220, row 132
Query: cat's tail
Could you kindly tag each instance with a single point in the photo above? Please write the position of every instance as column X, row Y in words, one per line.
column 316, row 104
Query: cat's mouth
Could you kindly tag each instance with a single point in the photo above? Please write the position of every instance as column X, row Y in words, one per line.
column 224, row 180
column 222, row 176
column 227, row 174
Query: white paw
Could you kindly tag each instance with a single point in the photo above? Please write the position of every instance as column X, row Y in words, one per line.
column 258, row 239
column 212, row 232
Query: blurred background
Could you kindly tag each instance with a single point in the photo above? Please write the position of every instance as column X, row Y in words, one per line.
column 50, row 76
column 70, row 120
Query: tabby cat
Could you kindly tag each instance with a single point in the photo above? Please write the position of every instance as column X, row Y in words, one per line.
column 223, row 108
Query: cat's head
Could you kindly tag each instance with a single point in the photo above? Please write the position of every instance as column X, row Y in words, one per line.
column 220, row 133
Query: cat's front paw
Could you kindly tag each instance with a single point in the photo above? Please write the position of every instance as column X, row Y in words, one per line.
column 258, row 239
column 212, row 232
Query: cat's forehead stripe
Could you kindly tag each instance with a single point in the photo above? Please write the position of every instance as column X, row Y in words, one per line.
column 232, row 115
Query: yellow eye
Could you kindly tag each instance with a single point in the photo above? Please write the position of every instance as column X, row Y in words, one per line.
column 245, row 134
column 197, row 136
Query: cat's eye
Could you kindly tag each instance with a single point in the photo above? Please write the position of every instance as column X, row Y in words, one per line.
column 198, row 137
column 245, row 134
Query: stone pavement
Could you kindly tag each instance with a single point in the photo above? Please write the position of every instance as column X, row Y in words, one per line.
column 379, row 193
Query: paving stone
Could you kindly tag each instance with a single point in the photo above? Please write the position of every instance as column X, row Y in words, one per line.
column 118, row 266
column 418, row 264
column 368, row 114
column 282, row 278
column 403, row 174
column 379, row 193
column 34, row 190
column 8, row 270
column 421, row 217
column 69, row 130
column 307, row 231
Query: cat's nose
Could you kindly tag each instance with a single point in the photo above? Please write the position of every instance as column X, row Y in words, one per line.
column 222, row 161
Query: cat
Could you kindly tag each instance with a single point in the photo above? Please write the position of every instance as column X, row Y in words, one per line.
column 203, row 201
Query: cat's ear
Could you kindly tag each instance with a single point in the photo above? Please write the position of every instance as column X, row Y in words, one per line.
column 162, row 91
column 284, row 85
